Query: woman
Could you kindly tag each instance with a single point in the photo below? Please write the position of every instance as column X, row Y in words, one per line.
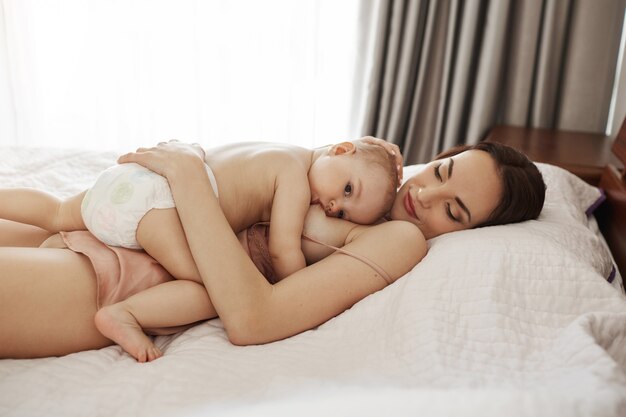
column 47, row 296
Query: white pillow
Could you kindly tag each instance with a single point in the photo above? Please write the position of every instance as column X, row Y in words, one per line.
column 570, row 199
column 568, row 194
column 562, row 229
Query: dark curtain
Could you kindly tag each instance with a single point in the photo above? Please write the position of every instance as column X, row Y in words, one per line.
column 446, row 71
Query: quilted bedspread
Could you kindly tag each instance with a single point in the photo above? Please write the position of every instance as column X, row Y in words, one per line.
column 514, row 320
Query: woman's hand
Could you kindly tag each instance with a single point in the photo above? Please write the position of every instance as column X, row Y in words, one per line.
column 391, row 148
column 166, row 157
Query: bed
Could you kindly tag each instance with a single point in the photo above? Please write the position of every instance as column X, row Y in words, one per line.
column 518, row 320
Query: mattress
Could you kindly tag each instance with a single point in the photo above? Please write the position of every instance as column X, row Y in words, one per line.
column 518, row 320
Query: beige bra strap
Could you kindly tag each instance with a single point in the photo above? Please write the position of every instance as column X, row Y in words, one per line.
column 363, row 259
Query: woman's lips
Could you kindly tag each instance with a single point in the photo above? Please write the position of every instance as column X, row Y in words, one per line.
column 408, row 205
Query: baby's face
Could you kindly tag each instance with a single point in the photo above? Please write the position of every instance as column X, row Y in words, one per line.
column 348, row 187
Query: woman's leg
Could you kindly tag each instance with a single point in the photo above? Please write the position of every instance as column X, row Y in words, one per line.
column 20, row 234
column 47, row 303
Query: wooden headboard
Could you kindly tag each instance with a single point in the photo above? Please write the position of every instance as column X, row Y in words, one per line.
column 611, row 214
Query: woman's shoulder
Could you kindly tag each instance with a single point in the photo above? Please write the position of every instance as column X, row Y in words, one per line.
column 397, row 246
column 393, row 232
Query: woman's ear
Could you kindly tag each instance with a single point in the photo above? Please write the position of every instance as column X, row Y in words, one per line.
column 343, row 148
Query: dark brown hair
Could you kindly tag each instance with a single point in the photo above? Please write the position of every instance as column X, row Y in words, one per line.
column 523, row 188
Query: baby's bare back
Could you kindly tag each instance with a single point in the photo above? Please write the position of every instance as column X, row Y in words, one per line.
column 247, row 175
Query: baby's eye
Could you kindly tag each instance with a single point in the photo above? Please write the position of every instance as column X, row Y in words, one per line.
column 347, row 190
column 340, row 214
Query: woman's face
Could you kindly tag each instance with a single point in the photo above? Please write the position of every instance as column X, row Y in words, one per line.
column 450, row 194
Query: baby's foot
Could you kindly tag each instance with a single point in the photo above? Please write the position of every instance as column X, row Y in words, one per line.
column 119, row 325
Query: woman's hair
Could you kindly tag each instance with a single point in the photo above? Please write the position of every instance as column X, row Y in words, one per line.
column 523, row 188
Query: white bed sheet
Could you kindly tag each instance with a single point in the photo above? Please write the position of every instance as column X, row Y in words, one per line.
column 518, row 326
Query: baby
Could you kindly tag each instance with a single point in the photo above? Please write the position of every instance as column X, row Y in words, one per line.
column 132, row 207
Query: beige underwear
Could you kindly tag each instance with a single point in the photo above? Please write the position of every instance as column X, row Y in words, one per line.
column 120, row 272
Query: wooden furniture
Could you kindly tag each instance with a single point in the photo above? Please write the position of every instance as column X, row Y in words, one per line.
column 583, row 154
column 611, row 214
column 589, row 157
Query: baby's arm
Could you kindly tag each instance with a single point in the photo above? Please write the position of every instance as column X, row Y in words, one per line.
column 290, row 205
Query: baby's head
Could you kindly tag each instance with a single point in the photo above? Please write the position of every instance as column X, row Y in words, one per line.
column 354, row 180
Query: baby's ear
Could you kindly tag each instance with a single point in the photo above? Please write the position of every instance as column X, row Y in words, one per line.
column 343, row 148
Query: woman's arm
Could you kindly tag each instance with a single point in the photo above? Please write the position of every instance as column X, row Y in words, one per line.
column 252, row 310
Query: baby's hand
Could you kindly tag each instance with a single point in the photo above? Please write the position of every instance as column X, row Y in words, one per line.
column 391, row 148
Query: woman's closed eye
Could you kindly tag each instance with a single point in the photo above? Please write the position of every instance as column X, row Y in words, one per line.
column 347, row 190
column 450, row 215
column 437, row 173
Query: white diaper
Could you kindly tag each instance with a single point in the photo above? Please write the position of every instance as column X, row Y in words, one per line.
column 119, row 199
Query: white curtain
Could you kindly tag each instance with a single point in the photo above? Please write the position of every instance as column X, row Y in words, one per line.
column 105, row 74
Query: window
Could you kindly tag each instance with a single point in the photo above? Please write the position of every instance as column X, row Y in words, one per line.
column 123, row 74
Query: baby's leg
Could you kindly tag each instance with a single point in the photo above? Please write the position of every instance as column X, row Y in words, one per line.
column 171, row 304
column 38, row 208
column 161, row 235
